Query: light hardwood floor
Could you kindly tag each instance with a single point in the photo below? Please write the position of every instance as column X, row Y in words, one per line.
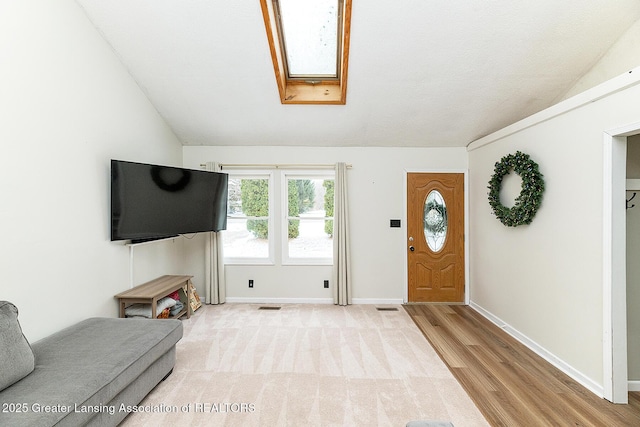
column 511, row 385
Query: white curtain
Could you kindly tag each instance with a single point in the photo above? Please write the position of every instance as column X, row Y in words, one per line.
column 341, row 257
column 215, row 285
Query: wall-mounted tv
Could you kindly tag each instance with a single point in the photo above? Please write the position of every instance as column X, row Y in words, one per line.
column 150, row 202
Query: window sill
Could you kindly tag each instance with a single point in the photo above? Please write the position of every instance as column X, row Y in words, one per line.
column 308, row 262
column 237, row 261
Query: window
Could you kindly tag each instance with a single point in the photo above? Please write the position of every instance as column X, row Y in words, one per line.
column 247, row 237
column 309, row 37
column 291, row 211
column 309, row 231
column 309, row 44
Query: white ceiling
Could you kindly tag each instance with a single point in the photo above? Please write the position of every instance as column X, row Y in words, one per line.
column 421, row 72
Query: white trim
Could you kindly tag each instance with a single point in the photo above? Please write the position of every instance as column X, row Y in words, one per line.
column 632, row 185
column 375, row 301
column 405, row 268
column 614, row 286
column 624, row 81
column 607, row 267
column 249, row 261
column 634, row 385
column 253, row 300
column 467, row 270
column 626, row 130
column 361, row 301
column 575, row 374
column 467, row 250
column 307, row 262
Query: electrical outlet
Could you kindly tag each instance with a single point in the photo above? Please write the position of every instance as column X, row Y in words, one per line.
column 326, row 284
column 251, row 283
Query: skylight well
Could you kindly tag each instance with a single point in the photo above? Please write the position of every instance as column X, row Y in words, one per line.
column 309, row 43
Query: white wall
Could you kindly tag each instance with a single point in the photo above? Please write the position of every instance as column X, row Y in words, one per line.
column 67, row 106
column 377, row 194
column 544, row 280
column 623, row 56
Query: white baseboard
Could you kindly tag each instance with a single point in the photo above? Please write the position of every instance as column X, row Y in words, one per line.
column 394, row 301
column 634, row 385
column 542, row 352
column 252, row 300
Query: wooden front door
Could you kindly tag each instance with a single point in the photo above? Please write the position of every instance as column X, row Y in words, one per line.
column 435, row 237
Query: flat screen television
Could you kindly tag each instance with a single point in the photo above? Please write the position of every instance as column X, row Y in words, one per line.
column 150, row 202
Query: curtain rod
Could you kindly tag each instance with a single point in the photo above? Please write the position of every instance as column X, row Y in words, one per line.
column 275, row 166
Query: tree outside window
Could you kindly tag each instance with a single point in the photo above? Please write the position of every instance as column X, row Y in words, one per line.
column 307, row 202
column 310, row 218
column 247, row 234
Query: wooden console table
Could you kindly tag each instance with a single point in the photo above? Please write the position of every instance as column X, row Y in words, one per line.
column 151, row 292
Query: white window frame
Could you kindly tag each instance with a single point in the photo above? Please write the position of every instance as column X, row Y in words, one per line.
column 284, row 232
column 273, row 235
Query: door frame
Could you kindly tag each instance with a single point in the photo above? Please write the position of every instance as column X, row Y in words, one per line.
column 614, row 278
column 465, row 173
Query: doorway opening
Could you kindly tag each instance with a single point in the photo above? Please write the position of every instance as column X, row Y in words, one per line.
column 615, row 357
column 632, row 206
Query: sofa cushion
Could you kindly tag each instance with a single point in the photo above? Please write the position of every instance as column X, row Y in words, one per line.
column 16, row 357
column 80, row 369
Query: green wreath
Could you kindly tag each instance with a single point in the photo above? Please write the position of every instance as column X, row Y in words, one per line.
column 527, row 203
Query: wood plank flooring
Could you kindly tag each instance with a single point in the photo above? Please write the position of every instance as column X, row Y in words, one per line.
column 511, row 385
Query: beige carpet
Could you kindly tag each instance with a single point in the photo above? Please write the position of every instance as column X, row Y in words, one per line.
column 305, row 365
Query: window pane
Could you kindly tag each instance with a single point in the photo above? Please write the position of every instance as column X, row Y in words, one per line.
column 310, row 223
column 435, row 221
column 247, row 234
column 253, row 197
column 234, row 198
column 311, row 36
column 311, row 241
column 307, row 197
column 239, row 242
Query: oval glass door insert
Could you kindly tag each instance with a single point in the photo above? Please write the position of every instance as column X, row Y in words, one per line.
column 435, row 221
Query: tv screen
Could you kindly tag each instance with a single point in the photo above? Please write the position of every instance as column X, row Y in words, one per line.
column 151, row 202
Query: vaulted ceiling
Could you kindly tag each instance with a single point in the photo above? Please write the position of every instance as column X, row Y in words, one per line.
column 421, row 72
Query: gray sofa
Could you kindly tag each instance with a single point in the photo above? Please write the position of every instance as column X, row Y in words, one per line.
column 93, row 373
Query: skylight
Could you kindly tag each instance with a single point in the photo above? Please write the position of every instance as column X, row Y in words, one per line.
column 309, row 44
column 310, row 37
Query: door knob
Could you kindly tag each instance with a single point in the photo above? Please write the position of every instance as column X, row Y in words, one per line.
column 411, row 248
